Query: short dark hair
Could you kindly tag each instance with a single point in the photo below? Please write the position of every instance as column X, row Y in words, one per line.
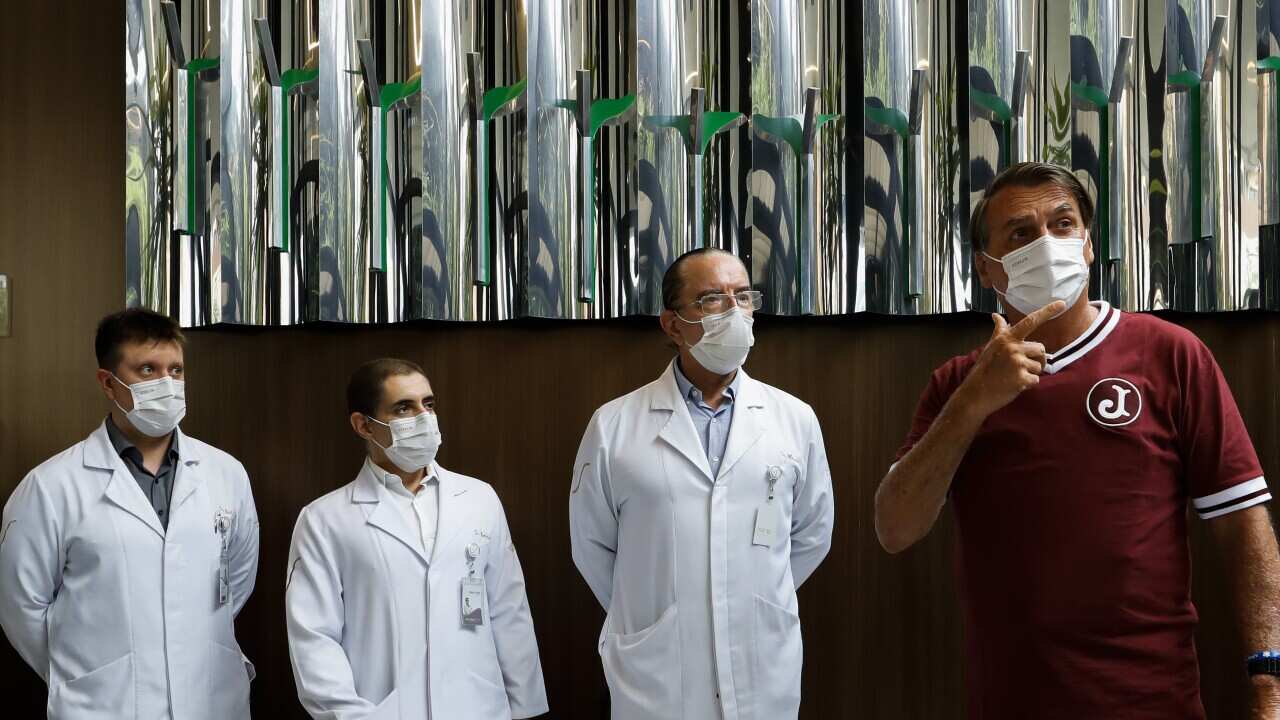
column 673, row 279
column 364, row 390
column 1028, row 174
column 135, row 325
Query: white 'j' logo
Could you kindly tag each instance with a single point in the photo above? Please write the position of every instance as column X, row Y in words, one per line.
column 1114, row 402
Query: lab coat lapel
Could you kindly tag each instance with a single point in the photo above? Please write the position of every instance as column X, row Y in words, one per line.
column 381, row 512
column 454, row 501
column 749, row 422
column 188, row 474
column 678, row 431
column 122, row 490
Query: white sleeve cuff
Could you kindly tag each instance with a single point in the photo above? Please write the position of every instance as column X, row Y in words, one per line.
column 1236, row 497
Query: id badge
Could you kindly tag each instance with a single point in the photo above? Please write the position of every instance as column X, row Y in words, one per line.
column 224, row 585
column 472, row 601
column 766, row 525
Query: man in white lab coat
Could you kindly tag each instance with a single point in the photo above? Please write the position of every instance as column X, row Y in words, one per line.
column 125, row 559
column 405, row 598
column 699, row 503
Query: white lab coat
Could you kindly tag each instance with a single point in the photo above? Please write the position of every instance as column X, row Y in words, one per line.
column 375, row 627
column 120, row 616
column 701, row 623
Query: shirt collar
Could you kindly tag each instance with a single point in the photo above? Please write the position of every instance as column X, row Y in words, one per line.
column 395, row 485
column 689, row 392
column 123, row 445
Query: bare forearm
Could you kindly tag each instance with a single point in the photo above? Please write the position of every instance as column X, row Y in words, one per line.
column 1248, row 538
column 911, row 496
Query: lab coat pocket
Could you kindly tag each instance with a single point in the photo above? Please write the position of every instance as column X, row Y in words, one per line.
column 488, row 699
column 643, row 670
column 388, row 709
column 228, row 683
column 779, row 653
column 105, row 693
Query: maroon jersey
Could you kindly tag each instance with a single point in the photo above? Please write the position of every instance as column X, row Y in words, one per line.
column 1071, row 520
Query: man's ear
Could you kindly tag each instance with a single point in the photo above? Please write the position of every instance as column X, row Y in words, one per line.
column 360, row 425
column 984, row 274
column 668, row 322
column 1088, row 248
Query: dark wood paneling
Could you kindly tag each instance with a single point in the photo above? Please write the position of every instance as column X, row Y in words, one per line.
column 61, row 228
column 882, row 633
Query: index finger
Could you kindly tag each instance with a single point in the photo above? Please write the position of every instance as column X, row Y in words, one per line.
column 1028, row 324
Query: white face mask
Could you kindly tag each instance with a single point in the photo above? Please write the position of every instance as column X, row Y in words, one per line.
column 414, row 441
column 158, row 405
column 1048, row 269
column 726, row 340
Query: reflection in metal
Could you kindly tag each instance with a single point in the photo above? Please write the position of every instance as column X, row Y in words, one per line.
column 390, row 61
column 1214, row 198
column 290, row 162
column 798, row 168
column 293, row 119
column 912, row 252
column 1269, row 151
column 245, row 170
column 172, row 156
column 1019, row 94
column 691, row 68
column 1117, row 86
column 345, row 257
column 577, row 218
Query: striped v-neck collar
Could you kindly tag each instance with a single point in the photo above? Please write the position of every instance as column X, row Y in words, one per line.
column 1098, row 330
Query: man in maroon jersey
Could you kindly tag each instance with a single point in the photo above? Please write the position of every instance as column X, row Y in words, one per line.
column 1068, row 448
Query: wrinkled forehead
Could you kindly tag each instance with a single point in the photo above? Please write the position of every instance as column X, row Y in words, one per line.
column 715, row 272
column 1038, row 201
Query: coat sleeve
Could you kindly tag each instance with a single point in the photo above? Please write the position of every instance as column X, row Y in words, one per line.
column 244, row 551
column 314, row 616
column 30, row 571
column 813, row 509
column 593, row 521
column 512, row 624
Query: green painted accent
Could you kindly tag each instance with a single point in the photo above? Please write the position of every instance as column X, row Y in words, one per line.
column 679, row 123
column 288, row 81
column 589, row 221
column 391, row 94
column 284, row 175
column 715, row 122
column 1186, row 78
column 1158, row 188
column 888, row 117
column 1091, row 94
column 1197, row 189
column 194, row 68
column 297, row 76
column 993, row 103
column 785, row 129
column 608, row 111
column 483, row 273
column 499, row 97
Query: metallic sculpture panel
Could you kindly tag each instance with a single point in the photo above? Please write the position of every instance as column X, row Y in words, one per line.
column 291, row 162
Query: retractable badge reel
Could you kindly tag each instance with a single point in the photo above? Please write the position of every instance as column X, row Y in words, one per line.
column 767, row 512
column 472, row 591
column 222, row 526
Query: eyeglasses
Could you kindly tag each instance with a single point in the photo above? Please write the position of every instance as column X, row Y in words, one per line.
column 720, row 302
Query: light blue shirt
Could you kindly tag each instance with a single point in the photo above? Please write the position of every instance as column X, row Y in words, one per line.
column 712, row 425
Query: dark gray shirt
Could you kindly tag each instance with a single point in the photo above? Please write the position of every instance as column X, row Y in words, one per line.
column 157, row 488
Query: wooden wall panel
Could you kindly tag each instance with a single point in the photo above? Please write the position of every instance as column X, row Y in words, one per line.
column 513, row 401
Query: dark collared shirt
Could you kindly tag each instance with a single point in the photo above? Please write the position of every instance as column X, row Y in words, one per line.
column 158, row 487
column 712, row 424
